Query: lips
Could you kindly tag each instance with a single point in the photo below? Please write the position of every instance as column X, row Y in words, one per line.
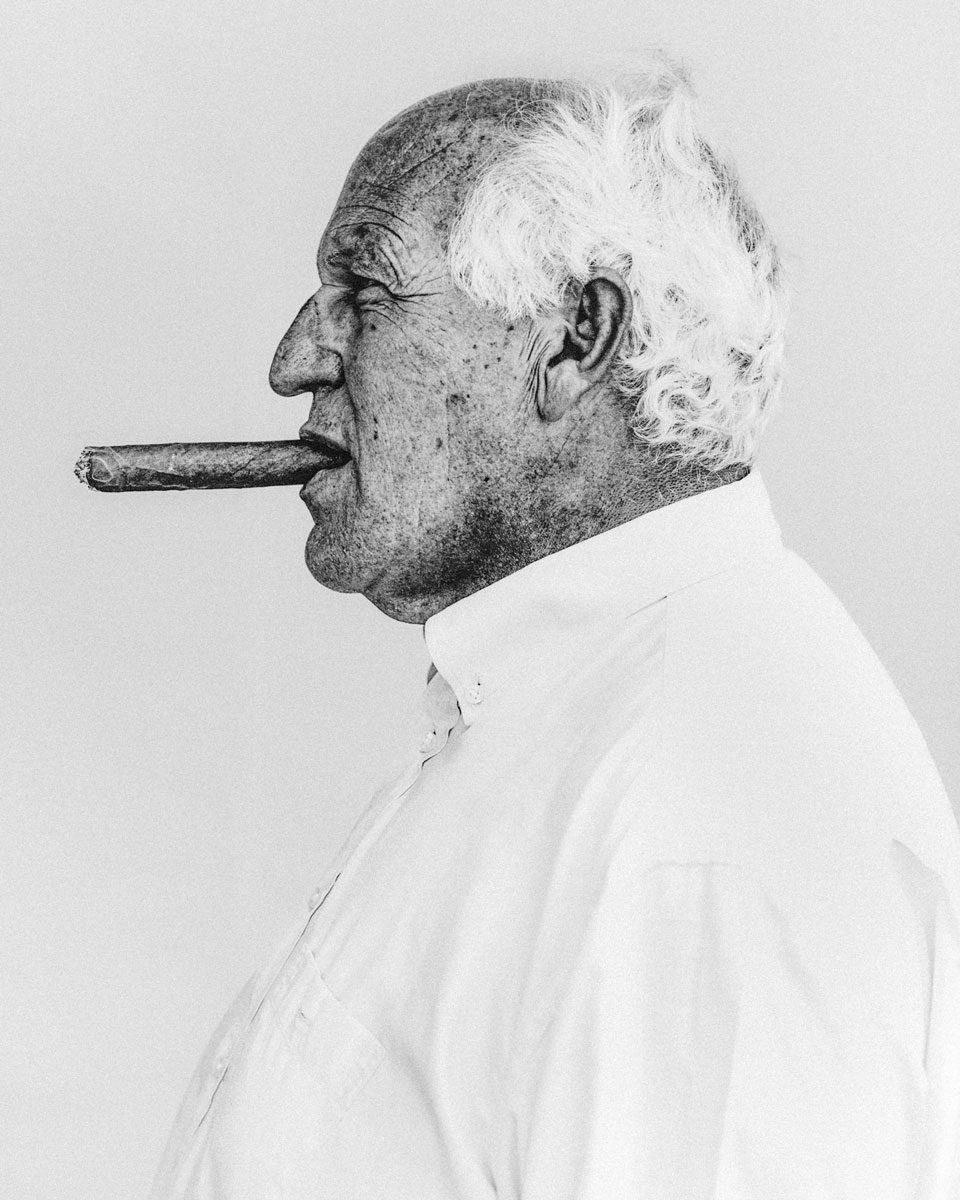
column 335, row 449
column 315, row 492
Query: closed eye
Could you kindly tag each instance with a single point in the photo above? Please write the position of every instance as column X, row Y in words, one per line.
column 344, row 275
column 359, row 286
column 361, row 283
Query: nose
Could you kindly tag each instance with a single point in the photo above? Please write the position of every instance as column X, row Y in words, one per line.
column 302, row 363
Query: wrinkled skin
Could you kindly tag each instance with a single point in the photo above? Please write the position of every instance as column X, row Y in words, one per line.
column 469, row 459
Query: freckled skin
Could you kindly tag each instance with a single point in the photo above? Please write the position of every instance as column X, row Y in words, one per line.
column 457, row 478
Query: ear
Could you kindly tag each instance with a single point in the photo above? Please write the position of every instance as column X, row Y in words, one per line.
column 588, row 331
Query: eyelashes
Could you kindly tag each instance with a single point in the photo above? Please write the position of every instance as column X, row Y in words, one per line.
column 351, row 281
column 361, row 284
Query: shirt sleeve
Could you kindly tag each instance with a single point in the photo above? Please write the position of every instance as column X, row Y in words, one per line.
column 698, row 1052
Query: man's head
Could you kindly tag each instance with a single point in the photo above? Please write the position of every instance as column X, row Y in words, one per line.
column 544, row 308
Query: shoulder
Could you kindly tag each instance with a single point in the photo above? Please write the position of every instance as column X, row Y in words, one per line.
column 778, row 732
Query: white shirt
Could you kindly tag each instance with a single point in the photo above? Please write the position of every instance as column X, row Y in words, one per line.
column 664, row 907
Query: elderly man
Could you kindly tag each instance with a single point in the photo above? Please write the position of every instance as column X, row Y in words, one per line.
column 664, row 902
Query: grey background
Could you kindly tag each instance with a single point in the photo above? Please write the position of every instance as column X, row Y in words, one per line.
column 190, row 724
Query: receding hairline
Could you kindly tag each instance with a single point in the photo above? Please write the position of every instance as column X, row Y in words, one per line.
column 462, row 125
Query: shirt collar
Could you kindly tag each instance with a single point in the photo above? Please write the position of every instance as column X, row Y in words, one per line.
column 489, row 643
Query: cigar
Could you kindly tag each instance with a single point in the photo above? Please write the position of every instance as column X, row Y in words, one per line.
column 178, row 466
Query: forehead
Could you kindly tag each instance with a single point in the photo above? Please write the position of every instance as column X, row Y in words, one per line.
column 410, row 179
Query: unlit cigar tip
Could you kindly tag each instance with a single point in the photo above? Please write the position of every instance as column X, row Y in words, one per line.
column 82, row 469
column 93, row 467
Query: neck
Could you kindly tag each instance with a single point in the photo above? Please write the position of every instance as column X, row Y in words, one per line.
column 499, row 538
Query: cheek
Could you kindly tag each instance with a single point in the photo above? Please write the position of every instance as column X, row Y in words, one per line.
column 496, row 364
column 398, row 390
column 437, row 400
column 489, row 413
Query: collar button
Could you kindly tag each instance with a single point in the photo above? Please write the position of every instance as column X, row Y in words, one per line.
column 475, row 692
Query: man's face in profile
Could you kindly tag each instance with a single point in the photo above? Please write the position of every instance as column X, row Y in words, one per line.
column 422, row 387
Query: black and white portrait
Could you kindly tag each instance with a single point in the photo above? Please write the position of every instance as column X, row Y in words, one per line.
column 489, row 730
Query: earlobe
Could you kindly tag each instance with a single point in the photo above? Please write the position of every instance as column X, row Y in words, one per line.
column 586, row 342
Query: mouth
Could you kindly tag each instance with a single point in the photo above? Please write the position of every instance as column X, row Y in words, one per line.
column 316, row 488
column 339, row 454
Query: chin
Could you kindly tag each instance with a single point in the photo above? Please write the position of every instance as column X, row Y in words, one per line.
column 390, row 572
column 411, row 610
column 331, row 565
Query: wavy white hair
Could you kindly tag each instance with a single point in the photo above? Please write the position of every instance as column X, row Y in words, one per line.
column 617, row 175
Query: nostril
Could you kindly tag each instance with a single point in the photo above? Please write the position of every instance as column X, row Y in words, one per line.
column 329, row 368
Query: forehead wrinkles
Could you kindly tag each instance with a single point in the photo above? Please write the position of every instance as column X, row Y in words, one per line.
column 405, row 187
column 424, row 162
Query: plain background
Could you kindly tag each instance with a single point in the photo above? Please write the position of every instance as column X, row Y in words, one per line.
column 190, row 723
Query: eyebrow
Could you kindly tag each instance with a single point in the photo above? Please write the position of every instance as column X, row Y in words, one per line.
column 355, row 246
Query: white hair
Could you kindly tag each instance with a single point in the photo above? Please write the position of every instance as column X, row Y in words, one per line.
column 617, row 175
